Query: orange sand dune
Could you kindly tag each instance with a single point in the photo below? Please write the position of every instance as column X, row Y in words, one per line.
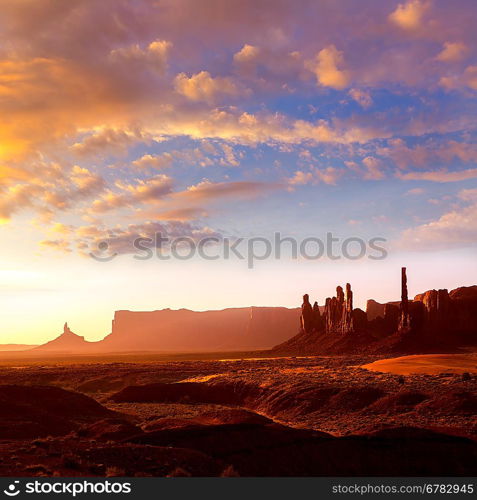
column 431, row 364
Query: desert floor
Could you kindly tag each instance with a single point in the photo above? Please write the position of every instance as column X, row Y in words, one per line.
column 139, row 416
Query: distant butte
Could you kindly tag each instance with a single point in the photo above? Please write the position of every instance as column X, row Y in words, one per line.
column 67, row 343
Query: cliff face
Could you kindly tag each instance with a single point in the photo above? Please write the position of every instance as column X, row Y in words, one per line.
column 185, row 330
column 438, row 313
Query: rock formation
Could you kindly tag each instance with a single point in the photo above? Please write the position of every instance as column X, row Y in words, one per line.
column 374, row 309
column 347, row 320
column 433, row 320
column 67, row 342
column 234, row 329
column 307, row 316
column 339, row 311
column 317, row 319
column 404, row 320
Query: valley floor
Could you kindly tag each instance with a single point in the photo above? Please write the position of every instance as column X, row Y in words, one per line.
column 342, row 415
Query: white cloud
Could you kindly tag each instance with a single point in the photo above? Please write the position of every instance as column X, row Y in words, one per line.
column 454, row 229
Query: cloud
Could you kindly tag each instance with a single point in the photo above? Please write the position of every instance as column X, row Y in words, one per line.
column 374, row 168
column 452, row 52
column 408, row 16
column 157, row 162
column 246, row 128
column 466, row 79
column 155, row 55
column 202, row 87
column 428, row 153
column 17, row 198
column 328, row 175
column 209, row 191
column 150, row 189
column 439, row 175
column 179, row 214
column 131, row 195
column 121, row 240
column 272, row 68
column 454, row 229
column 362, row 97
column 247, row 54
column 61, row 245
column 326, row 68
column 108, row 141
column 49, row 187
column 415, row 191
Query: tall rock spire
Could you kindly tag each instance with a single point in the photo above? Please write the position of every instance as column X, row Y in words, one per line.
column 404, row 322
column 306, row 318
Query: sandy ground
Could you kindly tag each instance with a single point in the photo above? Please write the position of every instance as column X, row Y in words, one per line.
column 430, row 364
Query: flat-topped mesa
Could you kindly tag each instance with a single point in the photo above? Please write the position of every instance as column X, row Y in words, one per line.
column 307, row 316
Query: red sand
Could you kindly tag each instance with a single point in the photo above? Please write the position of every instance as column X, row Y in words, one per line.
column 431, row 364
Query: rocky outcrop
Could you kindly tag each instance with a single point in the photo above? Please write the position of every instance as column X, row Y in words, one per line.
column 33, row 411
column 374, row 309
column 317, row 319
column 439, row 314
column 67, row 343
column 307, row 316
column 338, row 316
column 404, row 320
column 434, row 320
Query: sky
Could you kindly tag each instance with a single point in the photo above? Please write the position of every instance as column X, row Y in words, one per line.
column 230, row 121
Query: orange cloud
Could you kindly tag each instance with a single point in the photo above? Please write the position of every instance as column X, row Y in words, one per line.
column 154, row 161
column 155, row 55
column 179, row 214
column 208, row 191
column 409, row 16
column 327, row 68
column 143, row 191
column 202, row 87
column 452, row 52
